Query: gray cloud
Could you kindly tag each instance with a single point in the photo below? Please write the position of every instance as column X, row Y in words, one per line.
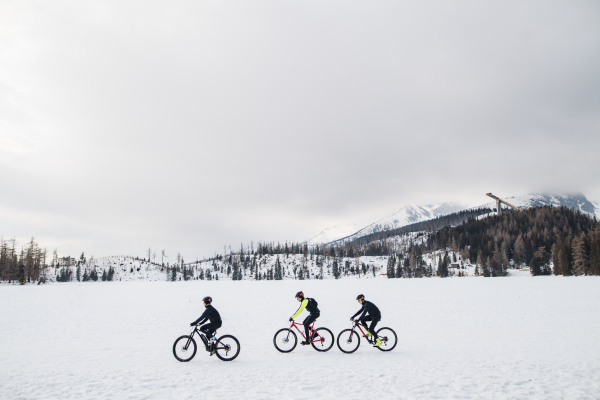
column 191, row 125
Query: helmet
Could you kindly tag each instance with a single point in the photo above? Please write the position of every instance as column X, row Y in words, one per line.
column 360, row 297
column 300, row 294
column 207, row 299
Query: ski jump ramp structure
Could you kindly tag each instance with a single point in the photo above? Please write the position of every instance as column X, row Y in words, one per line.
column 499, row 202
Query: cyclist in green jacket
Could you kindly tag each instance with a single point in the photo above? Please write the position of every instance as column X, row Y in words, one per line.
column 311, row 307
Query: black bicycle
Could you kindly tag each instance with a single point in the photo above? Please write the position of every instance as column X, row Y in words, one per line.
column 348, row 339
column 227, row 347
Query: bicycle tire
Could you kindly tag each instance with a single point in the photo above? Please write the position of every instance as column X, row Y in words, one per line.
column 348, row 336
column 388, row 334
column 327, row 340
column 223, row 347
column 184, row 348
column 282, row 333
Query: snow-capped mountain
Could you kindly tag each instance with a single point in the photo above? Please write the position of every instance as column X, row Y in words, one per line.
column 574, row 201
column 332, row 233
column 411, row 214
column 398, row 218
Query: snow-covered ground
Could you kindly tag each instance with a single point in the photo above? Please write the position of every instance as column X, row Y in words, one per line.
column 479, row 338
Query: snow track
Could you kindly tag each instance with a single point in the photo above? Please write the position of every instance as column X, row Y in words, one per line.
column 507, row 338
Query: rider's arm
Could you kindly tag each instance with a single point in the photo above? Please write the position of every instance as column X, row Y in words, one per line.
column 302, row 307
column 359, row 311
column 202, row 318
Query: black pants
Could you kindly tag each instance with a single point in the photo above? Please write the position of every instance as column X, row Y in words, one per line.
column 309, row 320
column 375, row 320
column 210, row 328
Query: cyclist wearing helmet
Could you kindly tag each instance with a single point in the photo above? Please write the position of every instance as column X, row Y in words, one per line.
column 374, row 316
column 312, row 308
column 211, row 314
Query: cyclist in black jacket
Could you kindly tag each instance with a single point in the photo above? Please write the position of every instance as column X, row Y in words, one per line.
column 374, row 316
column 211, row 314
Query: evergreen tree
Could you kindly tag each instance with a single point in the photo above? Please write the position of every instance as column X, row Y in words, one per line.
column 413, row 262
column 22, row 278
column 111, row 273
column 520, row 251
column 278, row 271
column 581, row 260
column 104, row 275
column 78, row 273
column 442, row 271
column 406, row 268
column 336, row 270
column 391, row 273
column 595, row 251
column 486, row 268
column 555, row 262
column 564, row 258
column 534, row 266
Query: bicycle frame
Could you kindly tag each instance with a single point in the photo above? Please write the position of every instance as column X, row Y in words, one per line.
column 358, row 325
column 294, row 324
column 202, row 337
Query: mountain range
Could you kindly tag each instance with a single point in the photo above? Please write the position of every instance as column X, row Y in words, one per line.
column 410, row 214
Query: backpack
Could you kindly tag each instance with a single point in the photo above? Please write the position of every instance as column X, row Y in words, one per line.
column 313, row 301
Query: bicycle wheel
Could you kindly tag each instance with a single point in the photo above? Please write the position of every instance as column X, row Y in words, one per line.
column 388, row 339
column 227, row 348
column 184, row 348
column 323, row 341
column 285, row 340
column 348, row 341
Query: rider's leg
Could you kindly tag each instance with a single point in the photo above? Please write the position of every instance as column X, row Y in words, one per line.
column 373, row 325
column 309, row 320
column 364, row 320
column 209, row 329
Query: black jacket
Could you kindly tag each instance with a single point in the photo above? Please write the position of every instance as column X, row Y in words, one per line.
column 370, row 308
column 210, row 314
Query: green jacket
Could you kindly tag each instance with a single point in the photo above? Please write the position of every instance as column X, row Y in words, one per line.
column 302, row 307
column 310, row 307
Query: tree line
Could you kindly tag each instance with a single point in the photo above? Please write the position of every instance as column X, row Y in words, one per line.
column 548, row 240
column 538, row 237
column 24, row 264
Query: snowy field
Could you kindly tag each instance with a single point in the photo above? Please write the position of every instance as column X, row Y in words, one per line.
column 495, row 338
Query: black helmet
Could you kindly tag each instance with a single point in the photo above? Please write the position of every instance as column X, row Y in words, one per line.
column 300, row 294
column 207, row 299
column 360, row 297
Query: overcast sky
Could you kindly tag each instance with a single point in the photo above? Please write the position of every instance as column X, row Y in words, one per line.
column 189, row 125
